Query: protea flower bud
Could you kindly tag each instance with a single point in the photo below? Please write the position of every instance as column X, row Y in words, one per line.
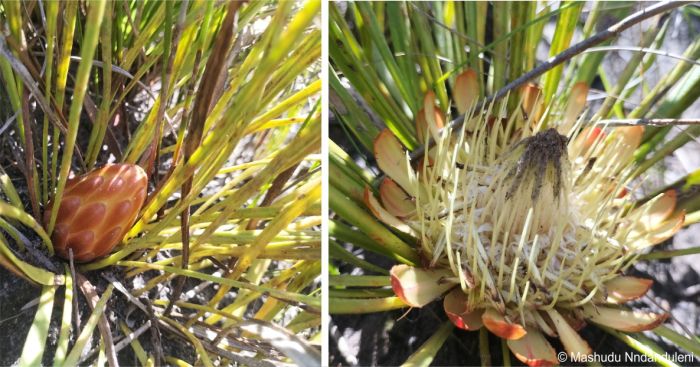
column 97, row 209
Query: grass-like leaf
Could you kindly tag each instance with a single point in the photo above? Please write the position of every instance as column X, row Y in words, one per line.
column 36, row 339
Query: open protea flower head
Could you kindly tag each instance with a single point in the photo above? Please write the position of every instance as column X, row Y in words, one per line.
column 97, row 209
column 528, row 229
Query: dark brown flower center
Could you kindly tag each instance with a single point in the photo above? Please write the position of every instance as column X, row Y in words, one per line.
column 541, row 156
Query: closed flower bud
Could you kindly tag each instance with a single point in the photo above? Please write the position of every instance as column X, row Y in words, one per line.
column 97, row 209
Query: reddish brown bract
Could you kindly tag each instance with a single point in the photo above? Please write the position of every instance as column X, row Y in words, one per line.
column 97, row 209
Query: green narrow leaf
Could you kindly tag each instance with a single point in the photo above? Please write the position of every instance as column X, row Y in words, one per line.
column 364, row 305
column 62, row 66
column 429, row 60
column 359, row 281
column 681, row 70
column 566, row 25
column 350, row 113
column 338, row 252
column 86, row 334
column 349, row 57
column 367, row 223
column 87, row 52
column 51, row 18
column 501, row 27
column 644, row 346
column 99, row 128
column 690, row 345
column 66, row 319
column 20, row 215
column 624, row 77
column 379, row 41
column 424, row 355
column 397, row 21
column 311, row 301
column 9, row 189
column 36, row 339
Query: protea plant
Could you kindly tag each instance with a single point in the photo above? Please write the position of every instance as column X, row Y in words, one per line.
column 527, row 230
column 521, row 213
column 160, row 182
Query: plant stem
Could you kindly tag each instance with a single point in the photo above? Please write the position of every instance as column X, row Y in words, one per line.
column 484, row 352
column 506, row 353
